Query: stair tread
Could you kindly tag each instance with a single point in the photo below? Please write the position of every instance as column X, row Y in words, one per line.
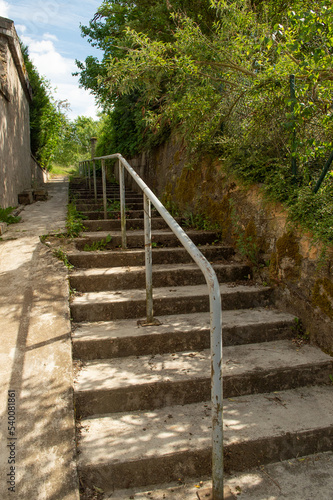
column 131, row 251
column 177, row 323
column 162, row 292
column 134, row 232
column 132, row 436
column 119, row 373
column 106, row 271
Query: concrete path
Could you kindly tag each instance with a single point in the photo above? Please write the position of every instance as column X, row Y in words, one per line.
column 37, row 446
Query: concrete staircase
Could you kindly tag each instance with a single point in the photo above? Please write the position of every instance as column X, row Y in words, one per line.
column 142, row 393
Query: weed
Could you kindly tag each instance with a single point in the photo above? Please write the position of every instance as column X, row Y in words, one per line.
column 301, row 336
column 61, row 255
column 199, row 221
column 97, row 245
column 331, row 378
column 246, row 240
column 74, row 224
column 6, row 216
column 114, row 209
column 114, row 206
column 172, row 208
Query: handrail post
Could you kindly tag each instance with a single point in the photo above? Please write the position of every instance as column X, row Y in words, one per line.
column 86, row 173
column 216, row 391
column 148, row 258
column 122, row 205
column 104, row 189
column 89, row 176
column 95, row 186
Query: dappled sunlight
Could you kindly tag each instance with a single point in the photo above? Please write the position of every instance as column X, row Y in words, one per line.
column 151, row 433
column 36, row 344
column 115, row 373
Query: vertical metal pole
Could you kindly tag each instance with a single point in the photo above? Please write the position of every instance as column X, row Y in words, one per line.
column 122, row 205
column 86, row 173
column 148, row 258
column 293, row 143
column 95, row 186
column 324, row 172
column 104, row 190
column 217, row 391
column 89, row 176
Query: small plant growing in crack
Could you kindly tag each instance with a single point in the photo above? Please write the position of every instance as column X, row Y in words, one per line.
column 97, row 245
column 61, row 255
column 300, row 335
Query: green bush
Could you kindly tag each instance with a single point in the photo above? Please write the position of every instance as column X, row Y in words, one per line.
column 6, row 216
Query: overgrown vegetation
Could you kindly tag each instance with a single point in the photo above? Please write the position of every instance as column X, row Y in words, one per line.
column 74, row 223
column 249, row 82
column 61, row 255
column 97, row 245
column 7, row 216
column 55, row 140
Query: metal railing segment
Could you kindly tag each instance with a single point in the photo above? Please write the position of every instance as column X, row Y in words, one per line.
column 149, row 199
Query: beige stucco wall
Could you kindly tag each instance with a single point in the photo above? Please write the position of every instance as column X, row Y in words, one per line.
column 15, row 169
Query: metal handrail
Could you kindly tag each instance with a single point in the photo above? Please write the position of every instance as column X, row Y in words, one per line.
column 213, row 288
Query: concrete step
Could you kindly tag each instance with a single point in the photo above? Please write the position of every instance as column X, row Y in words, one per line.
column 135, row 239
column 176, row 333
column 99, row 214
column 164, row 445
column 153, row 381
column 105, row 306
column 118, row 258
column 88, row 207
column 115, row 224
column 302, row 478
column 122, row 278
column 129, row 198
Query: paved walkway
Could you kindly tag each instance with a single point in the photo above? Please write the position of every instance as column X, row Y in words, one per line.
column 37, row 450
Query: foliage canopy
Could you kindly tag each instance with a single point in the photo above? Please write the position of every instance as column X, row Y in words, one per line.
column 219, row 73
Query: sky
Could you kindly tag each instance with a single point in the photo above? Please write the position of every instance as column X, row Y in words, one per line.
column 51, row 30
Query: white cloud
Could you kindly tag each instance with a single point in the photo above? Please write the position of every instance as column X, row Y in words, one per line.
column 20, row 27
column 48, row 36
column 81, row 102
column 4, row 8
column 49, row 62
column 58, row 70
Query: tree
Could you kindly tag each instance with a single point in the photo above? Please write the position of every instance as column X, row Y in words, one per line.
column 227, row 89
column 74, row 143
column 47, row 118
column 107, row 31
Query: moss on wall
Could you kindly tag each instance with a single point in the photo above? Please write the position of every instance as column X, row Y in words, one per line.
column 286, row 261
column 322, row 296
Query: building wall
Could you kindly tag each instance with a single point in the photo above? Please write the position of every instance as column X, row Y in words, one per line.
column 15, row 94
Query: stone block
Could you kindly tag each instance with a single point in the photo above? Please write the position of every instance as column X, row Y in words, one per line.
column 3, row 227
column 40, row 194
column 26, row 197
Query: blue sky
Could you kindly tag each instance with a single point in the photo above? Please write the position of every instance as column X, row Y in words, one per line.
column 51, row 29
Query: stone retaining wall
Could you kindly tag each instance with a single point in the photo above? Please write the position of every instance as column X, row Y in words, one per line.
column 282, row 255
